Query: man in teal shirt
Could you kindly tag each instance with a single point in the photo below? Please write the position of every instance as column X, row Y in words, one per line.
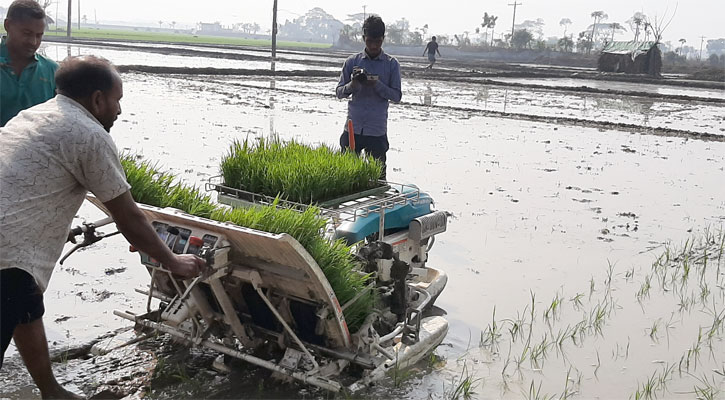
column 26, row 78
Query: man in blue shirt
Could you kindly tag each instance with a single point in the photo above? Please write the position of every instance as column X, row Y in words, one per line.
column 26, row 78
column 372, row 78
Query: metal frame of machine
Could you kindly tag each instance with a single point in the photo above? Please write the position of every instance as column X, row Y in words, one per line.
column 265, row 288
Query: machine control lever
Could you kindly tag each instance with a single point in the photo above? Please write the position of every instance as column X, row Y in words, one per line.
column 88, row 230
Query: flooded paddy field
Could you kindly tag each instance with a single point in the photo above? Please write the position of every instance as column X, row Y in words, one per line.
column 584, row 254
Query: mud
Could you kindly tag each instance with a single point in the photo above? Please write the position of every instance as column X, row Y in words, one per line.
column 545, row 199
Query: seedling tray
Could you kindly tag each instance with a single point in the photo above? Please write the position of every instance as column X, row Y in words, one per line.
column 345, row 208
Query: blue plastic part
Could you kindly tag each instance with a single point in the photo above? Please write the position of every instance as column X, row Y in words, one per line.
column 397, row 217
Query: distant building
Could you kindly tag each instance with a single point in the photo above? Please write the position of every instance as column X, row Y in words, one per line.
column 206, row 27
column 631, row 58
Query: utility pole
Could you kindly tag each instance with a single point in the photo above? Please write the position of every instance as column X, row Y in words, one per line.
column 70, row 9
column 79, row 14
column 702, row 39
column 364, row 12
column 513, row 23
column 274, row 30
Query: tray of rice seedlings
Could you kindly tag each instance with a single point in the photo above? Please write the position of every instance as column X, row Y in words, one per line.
column 151, row 186
column 298, row 173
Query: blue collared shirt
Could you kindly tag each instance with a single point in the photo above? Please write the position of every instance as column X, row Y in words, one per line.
column 368, row 107
column 35, row 85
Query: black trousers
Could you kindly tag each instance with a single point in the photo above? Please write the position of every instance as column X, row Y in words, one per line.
column 374, row 146
column 21, row 302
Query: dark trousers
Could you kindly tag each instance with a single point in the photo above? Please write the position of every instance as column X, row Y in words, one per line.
column 21, row 302
column 374, row 146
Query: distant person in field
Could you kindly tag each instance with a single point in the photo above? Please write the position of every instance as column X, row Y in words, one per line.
column 431, row 48
column 26, row 77
column 372, row 78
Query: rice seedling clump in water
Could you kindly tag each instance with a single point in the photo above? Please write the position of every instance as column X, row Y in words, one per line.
column 297, row 172
column 151, row 186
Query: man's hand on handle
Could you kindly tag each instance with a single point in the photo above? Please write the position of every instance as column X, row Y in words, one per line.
column 186, row 266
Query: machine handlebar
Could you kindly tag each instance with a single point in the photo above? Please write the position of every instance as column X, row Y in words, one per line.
column 88, row 230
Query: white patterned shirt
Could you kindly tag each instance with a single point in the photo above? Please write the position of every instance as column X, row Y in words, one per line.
column 51, row 155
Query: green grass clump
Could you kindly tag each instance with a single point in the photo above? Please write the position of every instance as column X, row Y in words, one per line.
column 297, row 172
column 151, row 186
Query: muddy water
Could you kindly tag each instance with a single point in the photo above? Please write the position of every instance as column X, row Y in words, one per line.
column 621, row 86
column 132, row 57
column 540, row 208
column 690, row 116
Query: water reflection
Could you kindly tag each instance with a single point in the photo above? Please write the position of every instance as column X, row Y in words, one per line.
column 272, row 90
column 641, row 106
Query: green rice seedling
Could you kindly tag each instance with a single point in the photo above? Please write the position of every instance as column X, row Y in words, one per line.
column 718, row 323
column 533, row 309
column 463, row 386
column 490, row 336
column 597, row 318
column 399, row 375
column 610, row 274
column 645, row 288
column 535, row 393
column 539, row 352
column 706, row 389
column 517, row 325
column 704, row 292
column 665, row 376
column 654, row 329
column 525, row 352
column 685, row 302
column 567, row 393
column 648, row 389
column 297, row 172
column 577, row 300
column 591, row 287
column 551, row 311
column 152, row 187
column 435, row 361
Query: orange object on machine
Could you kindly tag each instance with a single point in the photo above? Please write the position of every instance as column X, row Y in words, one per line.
column 351, row 134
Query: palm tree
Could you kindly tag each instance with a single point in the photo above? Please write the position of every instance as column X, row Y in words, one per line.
column 615, row 26
column 682, row 43
column 636, row 22
column 598, row 17
column 489, row 22
column 565, row 22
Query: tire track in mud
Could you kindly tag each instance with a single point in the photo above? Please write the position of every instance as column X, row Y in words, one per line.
column 619, row 126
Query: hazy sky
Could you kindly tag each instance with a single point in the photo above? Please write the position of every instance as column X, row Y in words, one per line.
column 694, row 18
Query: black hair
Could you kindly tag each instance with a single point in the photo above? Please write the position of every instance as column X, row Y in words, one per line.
column 433, row 38
column 78, row 77
column 374, row 27
column 25, row 9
